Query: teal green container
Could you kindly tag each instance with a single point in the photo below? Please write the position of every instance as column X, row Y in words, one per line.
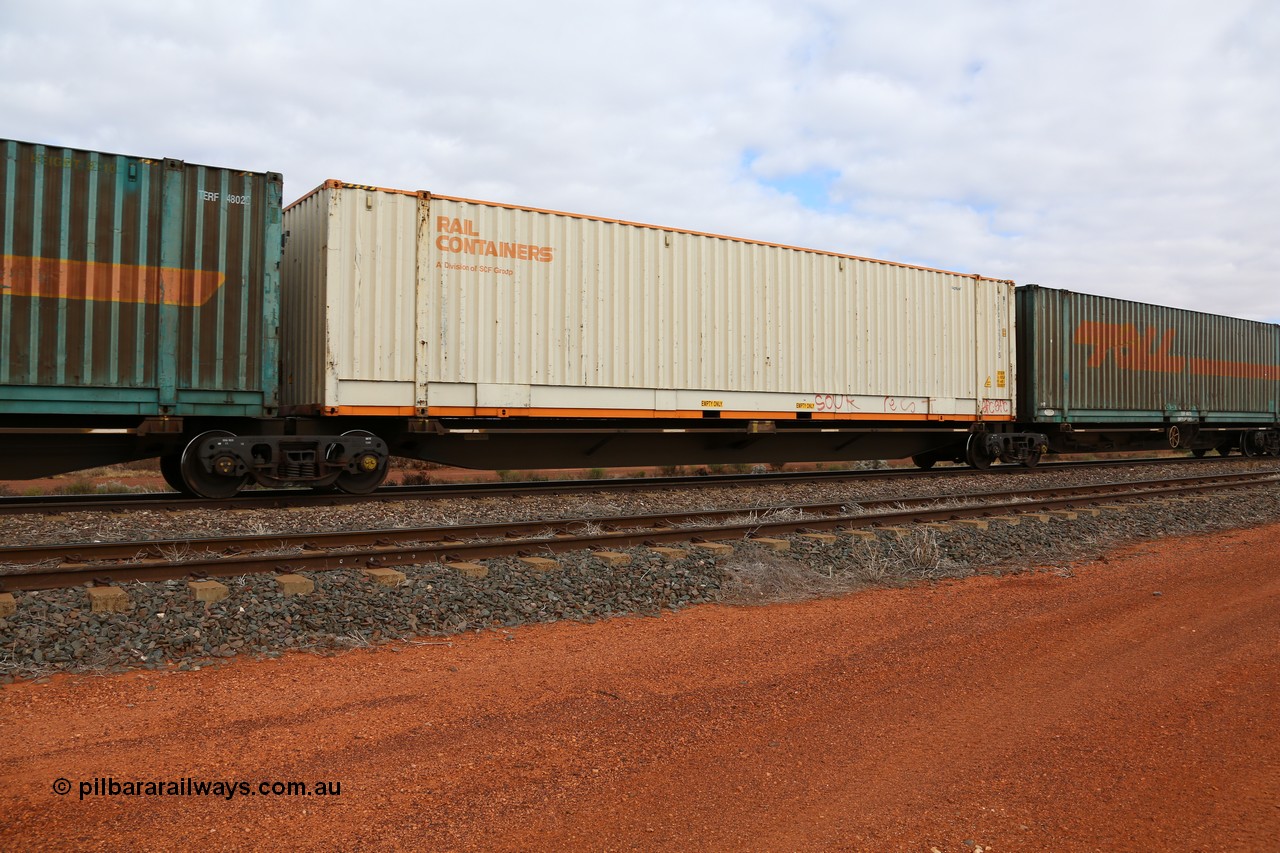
column 136, row 286
column 1085, row 359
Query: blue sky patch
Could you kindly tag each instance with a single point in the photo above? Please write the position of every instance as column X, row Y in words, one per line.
column 812, row 187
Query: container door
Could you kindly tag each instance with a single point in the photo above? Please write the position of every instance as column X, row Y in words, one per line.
column 220, row 270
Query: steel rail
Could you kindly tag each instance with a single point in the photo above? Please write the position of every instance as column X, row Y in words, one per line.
column 411, row 546
column 281, row 498
column 85, row 552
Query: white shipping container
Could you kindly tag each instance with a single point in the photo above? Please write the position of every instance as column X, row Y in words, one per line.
column 400, row 303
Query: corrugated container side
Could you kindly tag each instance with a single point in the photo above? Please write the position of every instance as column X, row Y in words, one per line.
column 523, row 311
column 1095, row 358
column 136, row 286
column 303, row 310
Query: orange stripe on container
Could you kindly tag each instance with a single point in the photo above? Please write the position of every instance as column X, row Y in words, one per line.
column 99, row 281
column 1233, row 369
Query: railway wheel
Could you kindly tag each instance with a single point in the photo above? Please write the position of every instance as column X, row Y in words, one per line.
column 205, row 483
column 924, row 460
column 977, row 452
column 1251, row 445
column 171, row 470
column 372, row 470
column 1032, row 459
column 1225, row 448
column 1201, row 452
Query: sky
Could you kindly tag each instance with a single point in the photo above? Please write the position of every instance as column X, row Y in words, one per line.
column 1127, row 148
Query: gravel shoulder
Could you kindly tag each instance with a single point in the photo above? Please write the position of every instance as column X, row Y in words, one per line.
column 1126, row 704
column 165, row 627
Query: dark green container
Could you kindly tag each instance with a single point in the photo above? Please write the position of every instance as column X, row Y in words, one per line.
column 136, row 286
column 1098, row 360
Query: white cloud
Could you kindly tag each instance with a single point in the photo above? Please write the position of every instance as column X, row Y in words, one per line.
column 1128, row 149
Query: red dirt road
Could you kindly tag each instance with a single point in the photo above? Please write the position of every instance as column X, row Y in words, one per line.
column 1036, row 712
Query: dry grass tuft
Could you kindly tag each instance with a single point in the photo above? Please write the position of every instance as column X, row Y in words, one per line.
column 756, row 577
column 769, row 578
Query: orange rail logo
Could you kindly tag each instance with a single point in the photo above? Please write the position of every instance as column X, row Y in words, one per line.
column 1151, row 351
column 97, row 281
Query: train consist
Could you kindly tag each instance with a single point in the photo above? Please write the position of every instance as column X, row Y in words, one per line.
column 154, row 308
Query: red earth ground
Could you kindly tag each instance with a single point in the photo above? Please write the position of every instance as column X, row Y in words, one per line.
column 1051, row 710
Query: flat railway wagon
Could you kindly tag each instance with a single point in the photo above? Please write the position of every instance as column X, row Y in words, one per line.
column 1102, row 374
column 147, row 309
column 139, row 314
column 494, row 336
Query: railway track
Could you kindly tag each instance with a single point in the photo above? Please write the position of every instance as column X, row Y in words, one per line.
column 63, row 565
column 281, row 498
